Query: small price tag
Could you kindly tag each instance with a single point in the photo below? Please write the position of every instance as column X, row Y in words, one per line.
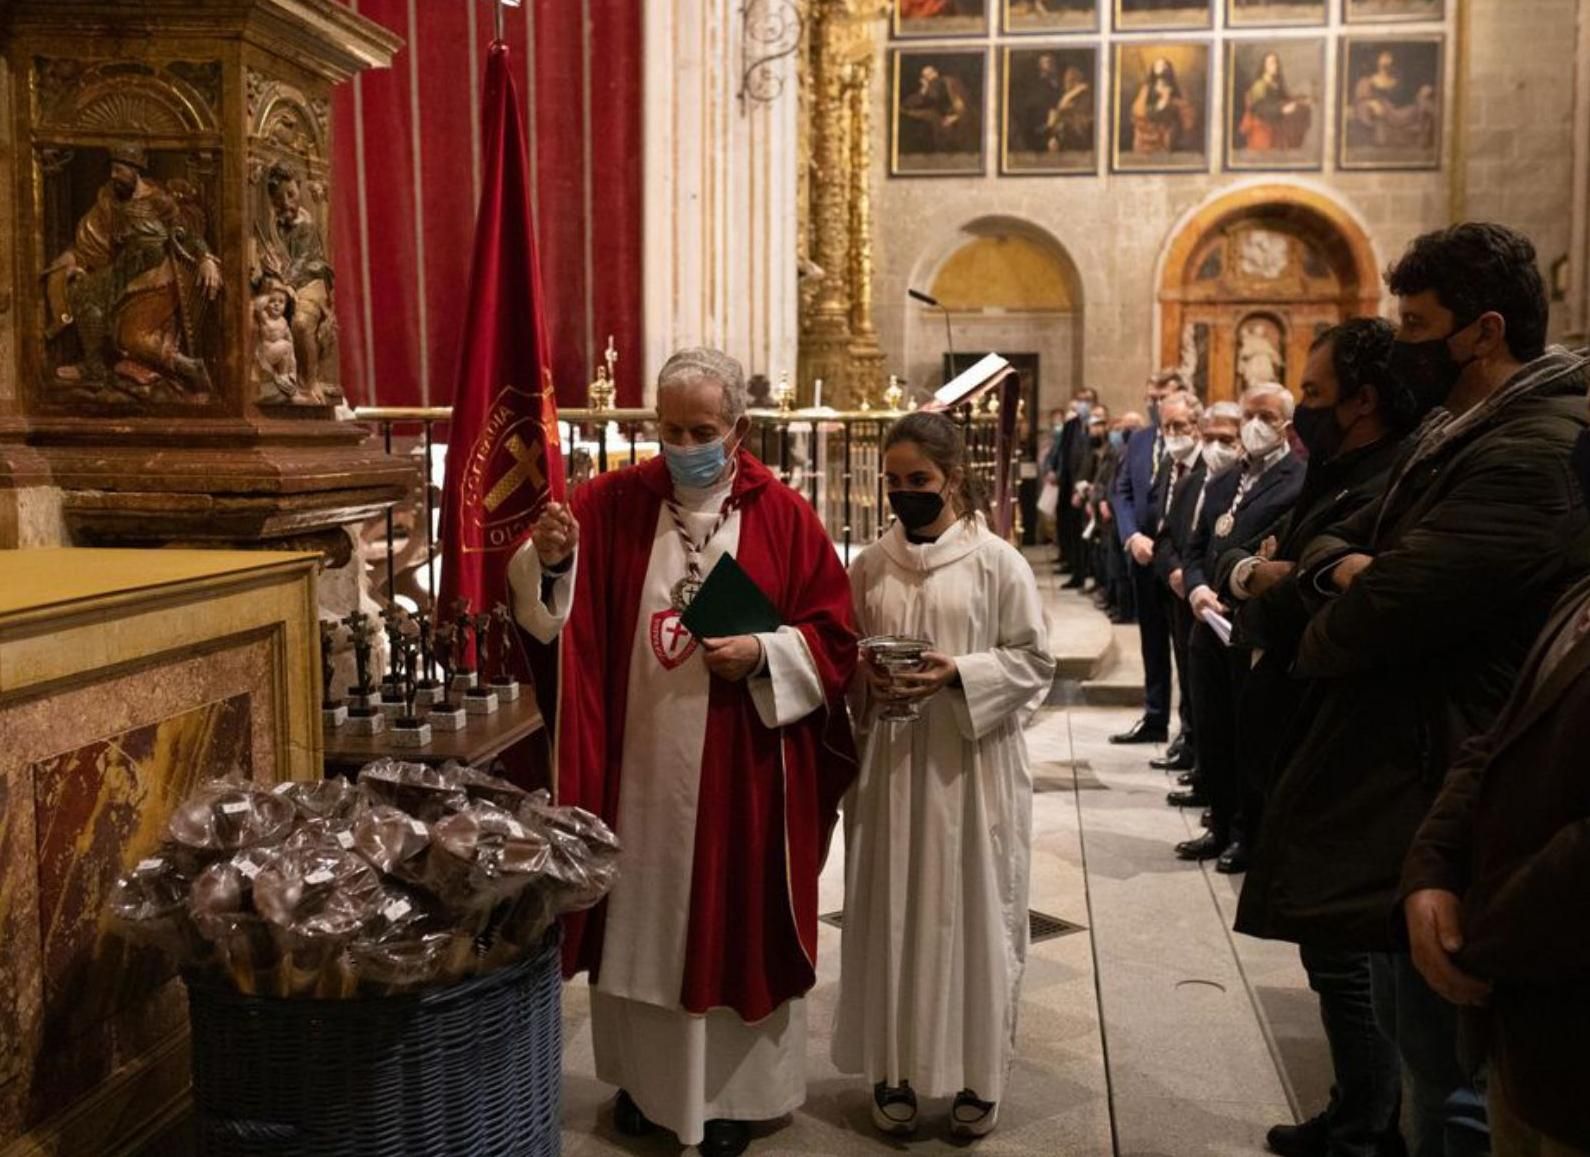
column 320, row 876
column 516, row 829
column 236, row 807
column 151, row 865
column 346, row 840
column 417, row 828
column 396, row 910
column 249, row 868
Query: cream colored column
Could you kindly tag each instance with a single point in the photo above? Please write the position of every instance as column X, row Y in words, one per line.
column 720, row 204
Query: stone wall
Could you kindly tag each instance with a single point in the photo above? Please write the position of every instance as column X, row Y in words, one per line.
column 1508, row 135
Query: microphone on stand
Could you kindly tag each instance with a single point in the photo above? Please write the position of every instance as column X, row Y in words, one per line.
column 933, row 302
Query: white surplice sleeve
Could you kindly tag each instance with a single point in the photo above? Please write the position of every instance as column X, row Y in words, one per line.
column 997, row 683
column 544, row 619
column 788, row 689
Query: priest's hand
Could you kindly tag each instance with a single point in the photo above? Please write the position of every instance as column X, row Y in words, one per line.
column 556, row 534
column 734, row 658
column 937, row 672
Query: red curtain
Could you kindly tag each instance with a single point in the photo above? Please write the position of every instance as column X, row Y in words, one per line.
column 406, row 181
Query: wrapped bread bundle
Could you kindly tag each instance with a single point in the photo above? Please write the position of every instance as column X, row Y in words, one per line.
column 426, row 793
column 222, row 902
column 150, row 903
column 226, row 815
column 410, row 944
column 482, row 856
column 321, row 799
column 316, row 899
column 493, row 789
column 392, row 841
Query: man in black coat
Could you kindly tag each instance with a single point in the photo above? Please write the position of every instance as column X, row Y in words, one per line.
column 1068, row 453
column 1432, row 596
column 1242, row 504
column 1352, row 425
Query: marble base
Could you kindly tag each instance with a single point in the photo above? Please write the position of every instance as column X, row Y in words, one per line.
column 463, row 681
column 427, row 693
column 454, row 720
column 481, row 702
column 366, row 721
column 333, row 717
column 410, row 732
column 506, row 690
column 357, row 699
column 393, row 708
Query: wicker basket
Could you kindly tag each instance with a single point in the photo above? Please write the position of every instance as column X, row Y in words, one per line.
column 472, row 1070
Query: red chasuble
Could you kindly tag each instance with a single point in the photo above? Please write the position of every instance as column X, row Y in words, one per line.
column 768, row 798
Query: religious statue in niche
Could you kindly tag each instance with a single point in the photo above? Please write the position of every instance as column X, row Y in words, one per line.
column 293, row 280
column 1263, row 254
column 130, row 304
column 1259, row 357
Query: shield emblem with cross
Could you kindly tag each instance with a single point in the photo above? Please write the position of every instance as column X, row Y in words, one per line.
column 670, row 641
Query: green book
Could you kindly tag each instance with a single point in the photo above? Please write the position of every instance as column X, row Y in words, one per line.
column 730, row 603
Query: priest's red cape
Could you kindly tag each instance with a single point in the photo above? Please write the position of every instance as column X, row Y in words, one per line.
column 768, row 799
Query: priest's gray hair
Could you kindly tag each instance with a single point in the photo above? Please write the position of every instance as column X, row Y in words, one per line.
column 700, row 362
column 1276, row 389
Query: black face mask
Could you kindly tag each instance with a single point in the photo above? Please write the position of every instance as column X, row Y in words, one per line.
column 1427, row 368
column 1581, row 463
column 916, row 509
column 1319, row 431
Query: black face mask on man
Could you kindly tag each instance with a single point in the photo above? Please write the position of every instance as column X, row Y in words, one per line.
column 1427, row 368
column 916, row 509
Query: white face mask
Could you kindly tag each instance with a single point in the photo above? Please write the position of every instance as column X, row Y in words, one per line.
column 1259, row 437
column 1217, row 456
column 1180, row 445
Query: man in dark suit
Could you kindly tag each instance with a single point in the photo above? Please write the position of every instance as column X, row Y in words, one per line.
column 1241, row 506
column 1067, row 456
column 1137, row 524
column 1178, row 423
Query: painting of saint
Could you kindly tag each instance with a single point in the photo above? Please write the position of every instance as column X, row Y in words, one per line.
column 1049, row 118
column 1391, row 102
column 1276, row 98
column 938, row 111
column 1161, row 107
column 940, row 18
column 1387, row 11
column 1051, row 15
column 1155, row 15
column 1274, row 13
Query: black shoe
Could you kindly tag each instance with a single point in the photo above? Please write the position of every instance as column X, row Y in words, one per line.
column 1206, row 847
column 1234, row 860
column 1072, row 584
column 722, row 1138
column 1179, row 761
column 1143, row 732
column 1207, row 820
column 1187, row 779
column 1192, row 797
column 628, row 1119
column 1177, row 746
column 1310, row 1139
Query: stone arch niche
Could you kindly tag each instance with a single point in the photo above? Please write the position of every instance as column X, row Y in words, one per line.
column 1251, row 278
column 1010, row 286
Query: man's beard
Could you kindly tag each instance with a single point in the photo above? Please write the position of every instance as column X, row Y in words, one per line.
column 123, row 189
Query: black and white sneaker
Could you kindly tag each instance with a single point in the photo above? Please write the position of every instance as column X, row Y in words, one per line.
column 894, row 1109
column 970, row 1117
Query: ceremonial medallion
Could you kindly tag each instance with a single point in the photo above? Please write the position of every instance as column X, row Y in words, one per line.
column 1224, row 525
column 684, row 593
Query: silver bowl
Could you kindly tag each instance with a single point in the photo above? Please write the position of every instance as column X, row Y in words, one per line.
column 897, row 654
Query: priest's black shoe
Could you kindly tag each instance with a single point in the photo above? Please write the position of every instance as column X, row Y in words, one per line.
column 1143, row 731
column 1192, row 797
column 1310, row 1139
column 1187, row 779
column 1205, row 847
column 1234, row 860
column 628, row 1119
column 722, row 1138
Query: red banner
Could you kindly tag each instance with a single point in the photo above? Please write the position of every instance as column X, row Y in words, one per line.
column 503, row 457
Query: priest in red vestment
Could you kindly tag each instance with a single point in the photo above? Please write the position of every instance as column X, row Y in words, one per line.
column 719, row 762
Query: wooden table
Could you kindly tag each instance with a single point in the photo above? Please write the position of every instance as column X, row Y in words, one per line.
column 482, row 740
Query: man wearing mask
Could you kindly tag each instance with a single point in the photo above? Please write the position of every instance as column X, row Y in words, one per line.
column 1215, row 449
column 1178, row 423
column 720, row 762
column 1241, row 506
column 1067, row 458
column 1431, row 596
column 1137, row 524
column 1352, row 423
column 1116, row 578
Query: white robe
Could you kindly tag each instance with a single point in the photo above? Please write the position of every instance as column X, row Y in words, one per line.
column 681, row 1069
column 938, row 829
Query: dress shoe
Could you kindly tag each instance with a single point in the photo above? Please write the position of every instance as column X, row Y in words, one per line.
column 1074, row 583
column 1122, row 620
column 1192, row 797
column 1207, row 820
column 1187, row 779
column 1176, row 746
column 970, row 1117
column 1206, row 847
column 1234, row 860
column 1143, row 731
column 894, row 1109
column 1174, row 761
column 1310, row 1139
column 720, row 1138
column 628, row 1119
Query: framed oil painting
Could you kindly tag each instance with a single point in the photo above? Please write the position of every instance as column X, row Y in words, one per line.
column 1391, row 100
column 1050, row 16
column 1275, row 104
column 1161, row 104
column 1049, row 110
column 937, row 106
column 1162, row 15
column 1392, row 11
column 1275, row 13
column 940, row 18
